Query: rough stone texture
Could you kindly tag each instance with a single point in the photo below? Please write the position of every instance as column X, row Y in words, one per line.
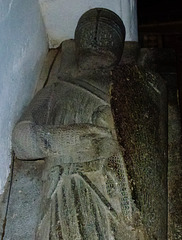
column 24, row 204
column 174, row 204
column 76, row 193
column 3, row 207
column 24, row 178
column 140, row 113
column 75, row 175
column 164, row 62
column 174, row 146
column 174, row 174
column 86, row 192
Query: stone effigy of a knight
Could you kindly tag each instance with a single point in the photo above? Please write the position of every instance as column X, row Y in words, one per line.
column 86, row 191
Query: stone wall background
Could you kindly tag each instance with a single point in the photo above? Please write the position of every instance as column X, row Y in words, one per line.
column 23, row 46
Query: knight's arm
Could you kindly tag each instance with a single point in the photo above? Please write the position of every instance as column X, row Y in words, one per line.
column 96, row 140
column 34, row 138
column 24, row 136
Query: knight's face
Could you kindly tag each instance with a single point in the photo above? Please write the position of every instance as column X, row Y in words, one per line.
column 99, row 38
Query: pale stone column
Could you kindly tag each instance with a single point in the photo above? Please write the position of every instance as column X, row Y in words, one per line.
column 23, row 44
column 129, row 17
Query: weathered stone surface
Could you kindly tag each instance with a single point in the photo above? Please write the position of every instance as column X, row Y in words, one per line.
column 174, row 174
column 164, row 62
column 102, row 178
column 25, row 200
column 140, row 114
column 3, row 208
column 86, row 193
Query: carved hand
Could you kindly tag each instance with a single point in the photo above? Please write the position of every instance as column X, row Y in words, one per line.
column 76, row 143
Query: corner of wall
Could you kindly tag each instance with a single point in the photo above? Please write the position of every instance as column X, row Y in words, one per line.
column 23, row 44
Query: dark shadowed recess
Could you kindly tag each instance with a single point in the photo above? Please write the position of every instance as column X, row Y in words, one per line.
column 160, row 26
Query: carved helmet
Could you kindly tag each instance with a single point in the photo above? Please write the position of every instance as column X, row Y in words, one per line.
column 101, row 32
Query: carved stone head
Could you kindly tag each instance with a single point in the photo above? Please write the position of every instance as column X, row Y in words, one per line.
column 99, row 38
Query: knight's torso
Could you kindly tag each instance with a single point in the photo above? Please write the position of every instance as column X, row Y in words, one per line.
column 69, row 103
column 72, row 103
column 96, row 185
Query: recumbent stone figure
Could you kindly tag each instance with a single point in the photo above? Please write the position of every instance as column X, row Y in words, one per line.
column 86, row 192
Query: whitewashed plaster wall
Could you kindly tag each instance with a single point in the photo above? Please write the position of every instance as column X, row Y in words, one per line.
column 61, row 16
column 23, row 45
